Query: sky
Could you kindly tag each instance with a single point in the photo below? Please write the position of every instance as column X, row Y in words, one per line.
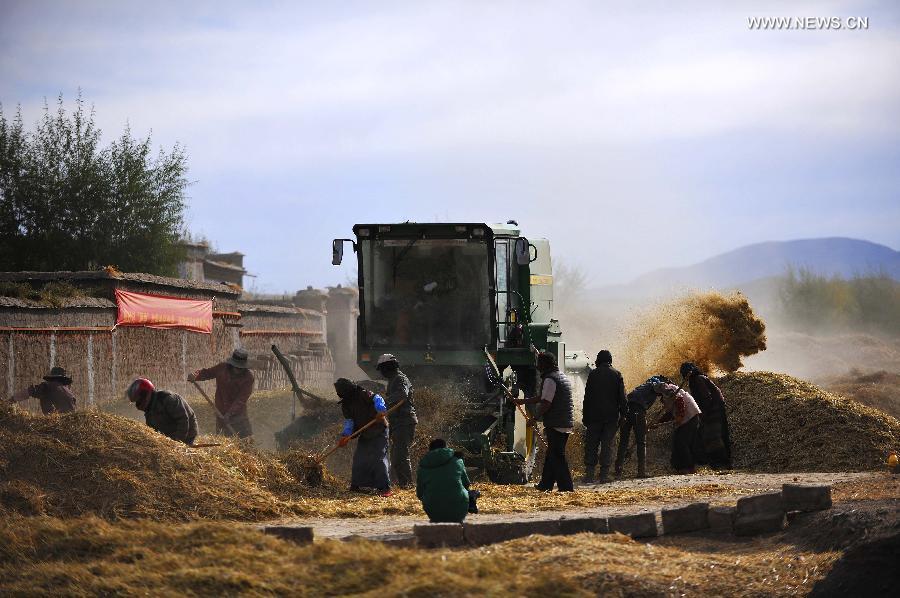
column 632, row 135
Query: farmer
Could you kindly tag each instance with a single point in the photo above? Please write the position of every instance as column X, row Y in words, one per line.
column 370, row 460
column 443, row 485
column 683, row 410
column 604, row 405
column 234, row 383
column 402, row 420
column 556, row 407
column 639, row 401
column 165, row 412
column 54, row 393
column 714, row 432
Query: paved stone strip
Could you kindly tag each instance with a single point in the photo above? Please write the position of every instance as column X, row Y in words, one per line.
column 757, row 514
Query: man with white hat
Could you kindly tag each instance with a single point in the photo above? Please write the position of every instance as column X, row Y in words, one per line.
column 402, row 421
column 234, row 383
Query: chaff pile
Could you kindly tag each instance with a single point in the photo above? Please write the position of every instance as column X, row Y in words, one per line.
column 780, row 423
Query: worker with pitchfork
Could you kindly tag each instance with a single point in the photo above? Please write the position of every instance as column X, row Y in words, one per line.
column 403, row 419
column 682, row 409
column 165, row 412
column 234, row 384
column 635, row 419
column 370, row 459
column 55, row 392
column 557, row 410
column 714, row 431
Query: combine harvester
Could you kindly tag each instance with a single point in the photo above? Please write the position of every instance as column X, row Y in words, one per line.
column 460, row 305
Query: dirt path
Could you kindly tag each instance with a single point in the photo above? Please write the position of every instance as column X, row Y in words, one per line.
column 760, row 482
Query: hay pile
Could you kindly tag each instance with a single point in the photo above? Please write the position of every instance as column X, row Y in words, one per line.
column 780, row 423
column 880, row 389
column 94, row 557
column 713, row 330
column 96, row 463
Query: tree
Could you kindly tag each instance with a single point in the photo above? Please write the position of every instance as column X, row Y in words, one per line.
column 66, row 203
column 569, row 284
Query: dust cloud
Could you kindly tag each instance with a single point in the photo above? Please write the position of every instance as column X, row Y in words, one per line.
column 713, row 330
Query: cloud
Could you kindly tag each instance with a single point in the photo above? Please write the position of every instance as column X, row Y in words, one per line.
column 623, row 115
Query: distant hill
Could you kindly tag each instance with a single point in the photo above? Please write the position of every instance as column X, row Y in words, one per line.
column 829, row 256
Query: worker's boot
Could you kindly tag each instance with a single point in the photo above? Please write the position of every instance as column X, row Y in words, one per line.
column 604, row 475
column 642, row 467
column 588, row 475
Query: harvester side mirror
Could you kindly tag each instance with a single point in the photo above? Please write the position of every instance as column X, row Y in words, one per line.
column 337, row 251
column 523, row 253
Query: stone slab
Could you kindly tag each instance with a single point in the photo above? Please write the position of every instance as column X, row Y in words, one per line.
column 578, row 525
column 640, row 525
column 479, row 534
column 758, row 504
column 296, row 534
column 400, row 540
column 721, row 519
column 689, row 518
column 751, row 525
column 806, row 497
column 439, row 534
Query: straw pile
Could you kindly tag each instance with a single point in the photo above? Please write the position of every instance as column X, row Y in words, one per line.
column 91, row 462
column 94, row 557
column 713, row 330
column 780, row 423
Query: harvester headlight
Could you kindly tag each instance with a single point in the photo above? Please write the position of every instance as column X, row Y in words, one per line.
column 363, row 232
column 477, row 232
column 384, row 228
column 460, row 229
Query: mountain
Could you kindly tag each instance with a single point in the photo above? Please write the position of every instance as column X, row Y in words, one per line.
column 828, row 256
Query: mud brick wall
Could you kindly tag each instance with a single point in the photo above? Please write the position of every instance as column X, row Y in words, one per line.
column 299, row 334
column 103, row 360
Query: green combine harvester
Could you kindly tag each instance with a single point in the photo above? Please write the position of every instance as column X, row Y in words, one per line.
column 464, row 307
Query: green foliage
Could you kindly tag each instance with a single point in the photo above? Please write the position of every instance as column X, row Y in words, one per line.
column 815, row 303
column 66, row 203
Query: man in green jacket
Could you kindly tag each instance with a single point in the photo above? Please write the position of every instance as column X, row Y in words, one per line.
column 443, row 485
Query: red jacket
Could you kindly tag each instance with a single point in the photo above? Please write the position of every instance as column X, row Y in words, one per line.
column 232, row 392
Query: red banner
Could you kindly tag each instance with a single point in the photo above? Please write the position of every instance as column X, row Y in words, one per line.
column 155, row 311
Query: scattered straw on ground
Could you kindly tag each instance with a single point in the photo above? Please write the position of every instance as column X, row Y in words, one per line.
column 713, row 330
column 883, row 487
column 95, row 557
